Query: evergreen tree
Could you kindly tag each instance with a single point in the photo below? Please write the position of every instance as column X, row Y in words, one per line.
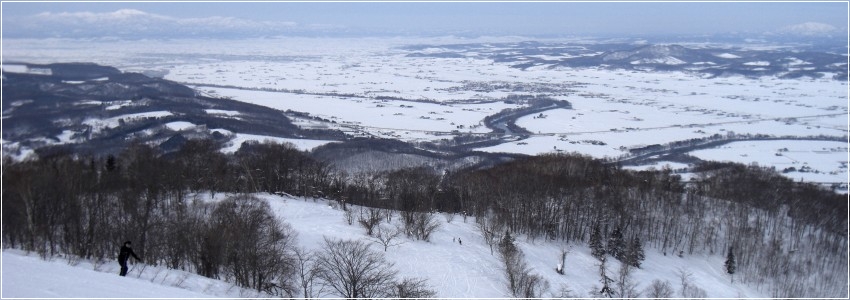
column 111, row 165
column 596, row 247
column 507, row 243
column 730, row 263
column 616, row 244
column 513, row 261
column 635, row 255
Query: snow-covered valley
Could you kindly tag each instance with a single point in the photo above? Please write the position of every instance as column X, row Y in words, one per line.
column 451, row 108
column 410, row 89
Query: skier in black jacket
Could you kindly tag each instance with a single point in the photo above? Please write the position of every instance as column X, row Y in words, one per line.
column 124, row 255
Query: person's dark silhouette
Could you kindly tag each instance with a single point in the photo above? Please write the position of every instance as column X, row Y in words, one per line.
column 124, row 255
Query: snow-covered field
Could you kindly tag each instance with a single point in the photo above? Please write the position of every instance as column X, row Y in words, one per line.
column 400, row 119
column 347, row 81
column 452, row 269
column 813, row 161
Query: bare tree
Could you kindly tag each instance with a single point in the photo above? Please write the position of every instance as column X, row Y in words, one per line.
column 369, row 218
column 561, row 265
column 488, row 229
column 606, row 281
column 449, row 217
column 388, row 237
column 353, row 270
column 307, row 274
column 685, row 277
column 412, row 288
column 659, row 289
column 520, row 280
column 564, row 291
column 426, row 224
column 690, row 290
column 255, row 244
column 626, row 287
column 531, row 285
column 348, row 215
column 419, row 225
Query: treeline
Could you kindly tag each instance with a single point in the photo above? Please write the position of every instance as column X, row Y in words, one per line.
column 788, row 236
column 84, row 208
column 83, row 204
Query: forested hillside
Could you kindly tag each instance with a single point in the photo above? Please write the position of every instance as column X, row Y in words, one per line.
column 788, row 239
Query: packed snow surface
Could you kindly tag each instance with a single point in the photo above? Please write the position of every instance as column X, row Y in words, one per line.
column 27, row 276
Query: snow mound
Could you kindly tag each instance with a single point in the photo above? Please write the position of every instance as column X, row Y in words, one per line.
column 727, row 55
column 179, row 125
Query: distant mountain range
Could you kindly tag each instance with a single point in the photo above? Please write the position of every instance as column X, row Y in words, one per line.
column 708, row 61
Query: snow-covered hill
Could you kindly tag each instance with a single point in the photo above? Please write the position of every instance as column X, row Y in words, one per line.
column 25, row 275
column 452, row 269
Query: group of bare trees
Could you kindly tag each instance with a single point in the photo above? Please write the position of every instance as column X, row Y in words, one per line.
column 776, row 227
column 521, row 281
column 790, row 233
column 351, row 269
column 85, row 207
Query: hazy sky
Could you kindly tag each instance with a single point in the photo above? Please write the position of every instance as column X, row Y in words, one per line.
column 26, row 19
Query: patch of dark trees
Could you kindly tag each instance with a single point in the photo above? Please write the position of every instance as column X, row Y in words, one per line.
column 84, row 206
column 766, row 189
column 43, row 106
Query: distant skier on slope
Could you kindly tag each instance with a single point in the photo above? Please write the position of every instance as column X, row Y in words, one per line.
column 124, row 255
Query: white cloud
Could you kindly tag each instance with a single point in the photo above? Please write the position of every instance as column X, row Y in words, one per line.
column 137, row 23
column 810, row 29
